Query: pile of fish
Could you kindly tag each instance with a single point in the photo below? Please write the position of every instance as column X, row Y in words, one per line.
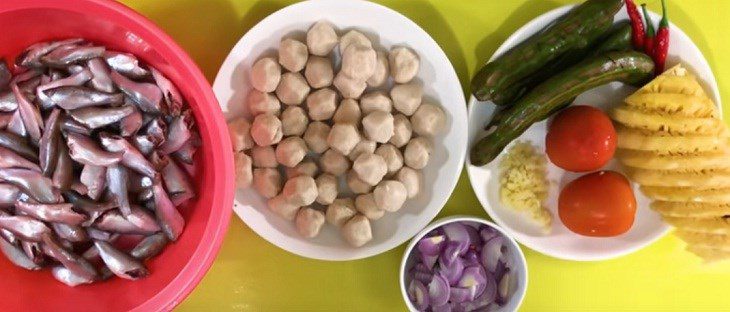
column 95, row 149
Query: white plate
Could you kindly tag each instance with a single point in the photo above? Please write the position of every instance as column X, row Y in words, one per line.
column 385, row 28
column 562, row 243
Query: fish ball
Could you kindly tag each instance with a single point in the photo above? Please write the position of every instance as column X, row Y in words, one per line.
column 244, row 175
column 333, row 162
column 265, row 74
column 348, row 112
column 357, row 231
column 316, row 136
column 358, row 62
column 266, row 130
column 411, row 179
column 382, row 69
column 343, row 137
column 292, row 89
column 309, row 222
column 319, row 72
column 362, row 147
column 370, row 168
column 390, row 195
column 300, row 191
column 353, row 37
column 350, row 88
column 402, row 131
column 356, row 185
column 306, row 167
column 294, row 121
column 240, row 132
column 264, row 157
column 262, row 103
column 279, row 206
column 322, row 104
column 365, row 204
column 375, row 101
column 378, row 126
column 321, row 38
column 327, row 186
column 393, row 157
column 341, row 210
column 267, row 182
column 417, row 153
column 406, row 97
column 428, row 120
column 293, row 54
column 290, row 151
column 404, row 64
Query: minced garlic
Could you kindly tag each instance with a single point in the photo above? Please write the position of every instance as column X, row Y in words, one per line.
column 523, row 183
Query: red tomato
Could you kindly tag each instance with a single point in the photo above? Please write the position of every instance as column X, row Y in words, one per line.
column 580, row 139
column 598, row 204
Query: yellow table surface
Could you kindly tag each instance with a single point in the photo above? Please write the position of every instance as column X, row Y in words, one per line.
column 251, row 274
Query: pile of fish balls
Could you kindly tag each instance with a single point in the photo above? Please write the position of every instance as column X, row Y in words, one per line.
column 339, row 144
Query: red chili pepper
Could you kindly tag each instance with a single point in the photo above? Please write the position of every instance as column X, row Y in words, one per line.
column 637, row 25
column 661, row 46
column 649, row 38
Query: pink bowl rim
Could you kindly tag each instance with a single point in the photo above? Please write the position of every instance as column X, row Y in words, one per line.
column 202, row 258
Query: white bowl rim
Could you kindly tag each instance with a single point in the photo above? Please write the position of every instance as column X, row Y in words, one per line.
column 461, row 218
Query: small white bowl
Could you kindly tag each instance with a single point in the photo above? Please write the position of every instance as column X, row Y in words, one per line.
column 519, row 262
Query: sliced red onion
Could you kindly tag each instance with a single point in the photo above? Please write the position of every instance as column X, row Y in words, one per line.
column 459, row 294
column 457, row 232
column 438, row 290
column 471, row 258
column 442, row 308
column 500, row 270
column 451, row 252
column 484, row 299
column 422, row 277
column 487, row 233
column 503, row 288
column 429, row 261
column 453, row 271
column 431, row 245
column 475, row 241
column 420, row 267
column 418, row 293
column 491, row 252
column 474, row 276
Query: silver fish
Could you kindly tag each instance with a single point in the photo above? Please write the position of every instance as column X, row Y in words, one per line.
column 131, row 157
column 70, row 125
column 98, row 235
column 15, row 126
column 70, row 233
column 75, row 80
column 31, row 55
column 60, row 213
column 30, row 114
column 120, row 263
column 32, row 183
column 145, row 143
column 100, row 71
column 150, row 246
column 84, row 150
column 8, row 195
column 75, row 263
column 113, row 221
column 33, row 251
column 64, row 57
column 171, row 221
column 17, row 256
column 25, row 227
column 66, row 276
column 8, row 103
column 172, row 96
column 178, row 134
column 142, row 219
column 147, row 96
column 116, row 180
column 9, row 159
column 18, row 145
column 70, row 97
column 94, row 177
column 130, row 124
column 126, row 64
column 97, row 117
column 71, row 69
column 48, row 144
column 176, row 180
column 157, row 130
column 91, row 208
column 63, row 175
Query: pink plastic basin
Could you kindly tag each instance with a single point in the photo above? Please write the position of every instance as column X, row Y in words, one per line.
column 182, row 265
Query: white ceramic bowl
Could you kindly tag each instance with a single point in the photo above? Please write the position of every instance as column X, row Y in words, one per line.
column 562, row 243
column 519, row 286
column 385, row 28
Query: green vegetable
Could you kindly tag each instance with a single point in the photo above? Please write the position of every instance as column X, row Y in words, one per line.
column 628, row 67
column 574, row 31
column 619, row 39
